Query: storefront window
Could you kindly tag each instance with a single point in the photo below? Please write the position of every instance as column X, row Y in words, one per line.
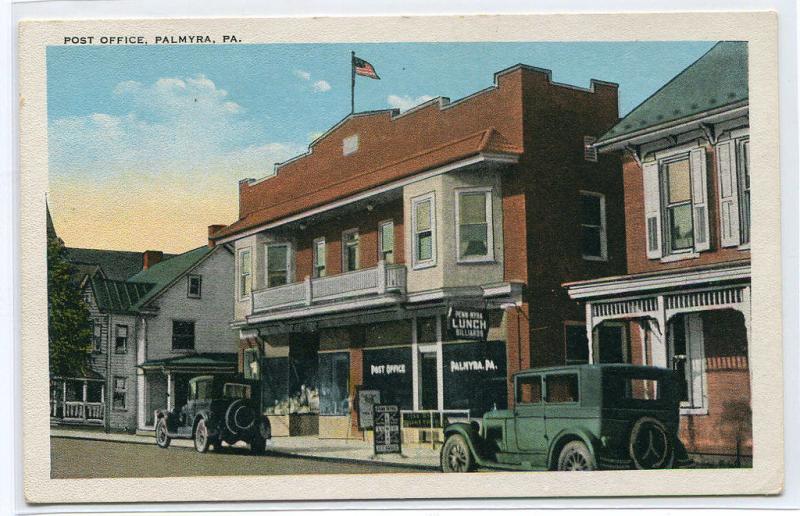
column 334, row 384
column 274, row 381
column 388, row 370
column 475, row 376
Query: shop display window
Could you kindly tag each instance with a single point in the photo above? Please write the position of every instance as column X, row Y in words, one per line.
column 334, row 384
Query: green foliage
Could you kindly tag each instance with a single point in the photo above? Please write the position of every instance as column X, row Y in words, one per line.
column 68, row 320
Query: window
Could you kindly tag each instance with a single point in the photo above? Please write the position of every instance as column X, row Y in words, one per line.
column 685, row 338
column 386, row 241
column 237, row 390
column 319, row 270
column 743, row 152
column 120, row 401
column 589, row 150
column 349, row 145
column 334, row 384
column 350, row 250
column 195, row 285
column 251, row 358
column 677, row 195
column 529, row 389
column 422, row 224
column 474, row 225
column 277, row 264
column 245, row 281
column 562, row 388
column 121, row 339
column 577, row 345
column 182, row 335
column 97, row 337
column 593, row 226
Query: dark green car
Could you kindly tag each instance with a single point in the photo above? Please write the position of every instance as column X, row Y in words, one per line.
column 584, row 417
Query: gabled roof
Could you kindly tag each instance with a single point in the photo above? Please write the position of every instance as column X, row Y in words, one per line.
column 165, row 273
column 116, row 265
column 119, row 297
column 716, row 80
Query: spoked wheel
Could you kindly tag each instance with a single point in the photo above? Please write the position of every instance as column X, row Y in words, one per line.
column 575, row 456
column 201, row 441
column 456, row 456
column 162, row 438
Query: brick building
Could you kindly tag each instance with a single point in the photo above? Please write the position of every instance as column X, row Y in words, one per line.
column 351, row 256
column 685, row 301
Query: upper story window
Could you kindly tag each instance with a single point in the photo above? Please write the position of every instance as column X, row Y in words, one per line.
column 423, row 224
column 183, row 335
column 319, row 258
column 350, row 250
column 676, row 205
column 350, row 145
column 245, row 274
column 474, row 237
column 195, row 283
column 97, row 337
column 743, row 151
column 277, row 264
column 593, row 226
column 386, row 241
column 733, row 167
column 121, row 339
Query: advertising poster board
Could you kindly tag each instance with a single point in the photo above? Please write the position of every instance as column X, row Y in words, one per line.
column 387, row 437
column 366, row 400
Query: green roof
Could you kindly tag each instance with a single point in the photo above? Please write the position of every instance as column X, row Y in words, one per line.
column 195, row 361
column 119, row 297
column 716, row 80
column 164, row 273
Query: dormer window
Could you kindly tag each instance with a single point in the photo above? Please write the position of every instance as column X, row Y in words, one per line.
column 350, row 145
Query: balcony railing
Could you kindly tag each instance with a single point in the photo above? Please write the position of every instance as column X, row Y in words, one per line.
column 374, row 281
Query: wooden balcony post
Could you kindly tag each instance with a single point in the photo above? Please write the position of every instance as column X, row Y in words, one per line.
column 381, row 277
column 84, row 399
column 309, row 291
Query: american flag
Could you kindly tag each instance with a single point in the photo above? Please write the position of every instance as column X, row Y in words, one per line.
column 362, row 67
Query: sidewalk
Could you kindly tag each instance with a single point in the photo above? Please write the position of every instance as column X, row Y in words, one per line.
column 351, row 450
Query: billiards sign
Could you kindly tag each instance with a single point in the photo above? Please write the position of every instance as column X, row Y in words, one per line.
column 467, row 324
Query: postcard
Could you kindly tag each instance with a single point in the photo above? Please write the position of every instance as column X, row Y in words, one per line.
column 392, row 258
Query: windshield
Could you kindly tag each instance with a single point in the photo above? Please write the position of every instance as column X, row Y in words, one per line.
column 236, row 390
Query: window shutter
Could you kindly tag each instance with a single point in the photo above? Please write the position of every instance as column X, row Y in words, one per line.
column 728, row 194
column 652, row 209
column 700, row 199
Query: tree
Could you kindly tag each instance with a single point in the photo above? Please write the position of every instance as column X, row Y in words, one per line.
column 69, row 323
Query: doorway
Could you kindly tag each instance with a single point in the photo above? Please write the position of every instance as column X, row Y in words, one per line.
column 429, row 385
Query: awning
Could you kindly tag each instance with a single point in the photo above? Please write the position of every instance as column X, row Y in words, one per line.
column 196, row 363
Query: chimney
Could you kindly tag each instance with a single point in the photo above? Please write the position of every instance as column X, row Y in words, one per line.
column 211, row 230
column 150, row 258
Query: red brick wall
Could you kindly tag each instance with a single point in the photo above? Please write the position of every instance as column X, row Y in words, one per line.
column 637, row 236
column 517, row 344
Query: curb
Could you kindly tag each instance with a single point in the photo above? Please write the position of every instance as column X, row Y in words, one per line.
column 275, row 452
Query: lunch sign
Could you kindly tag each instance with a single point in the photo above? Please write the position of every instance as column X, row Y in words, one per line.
column 467, row 324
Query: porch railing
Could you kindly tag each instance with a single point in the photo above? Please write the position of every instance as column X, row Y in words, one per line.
column 76, row 411
column 364, row 282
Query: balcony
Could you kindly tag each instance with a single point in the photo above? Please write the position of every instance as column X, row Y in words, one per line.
column 363, row 283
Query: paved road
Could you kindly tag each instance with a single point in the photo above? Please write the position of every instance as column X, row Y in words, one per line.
column 76, row 458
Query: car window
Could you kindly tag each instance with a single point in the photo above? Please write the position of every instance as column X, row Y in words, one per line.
column 193, row 391
column 236, row 390
column 618, row 388
column 529, row 389
column 203, row 390
column 562, row 388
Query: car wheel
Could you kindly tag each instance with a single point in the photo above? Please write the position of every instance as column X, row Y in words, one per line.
column 258, row 444
column 575, row 456
column 162, row 437
column 201, row 440
column 651, row 446
column 456, row 456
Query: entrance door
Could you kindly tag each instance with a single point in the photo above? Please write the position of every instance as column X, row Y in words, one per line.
column 429, row 399
column 529, row 422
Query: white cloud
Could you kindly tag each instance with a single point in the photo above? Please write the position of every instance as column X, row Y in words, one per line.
column 406, row 102
column 302, row 74
column 321, row 86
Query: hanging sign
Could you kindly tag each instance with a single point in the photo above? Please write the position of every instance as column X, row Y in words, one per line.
column 467, row 324
column 387, row 437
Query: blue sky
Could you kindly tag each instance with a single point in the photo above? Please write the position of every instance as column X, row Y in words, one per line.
column 175, row 127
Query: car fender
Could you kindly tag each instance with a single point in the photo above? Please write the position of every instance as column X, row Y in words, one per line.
column 170, row 417
column 206, row 416
column 471, row 435
column 571, row 434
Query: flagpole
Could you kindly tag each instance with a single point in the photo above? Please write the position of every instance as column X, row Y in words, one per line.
column 352, row 82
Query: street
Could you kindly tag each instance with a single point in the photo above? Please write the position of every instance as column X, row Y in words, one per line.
column 77, row 458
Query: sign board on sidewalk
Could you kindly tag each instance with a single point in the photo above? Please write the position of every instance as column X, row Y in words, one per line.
column 366, row 399
column 387, row 436
column 413, row 419
column 467, row 324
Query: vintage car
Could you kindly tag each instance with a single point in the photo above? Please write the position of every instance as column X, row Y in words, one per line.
column 584, row 417
column 219, row 409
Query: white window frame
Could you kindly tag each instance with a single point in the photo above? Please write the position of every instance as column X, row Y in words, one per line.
column 124, row 392
column 740, row 166
column 489, row 256
column 603, row 229
column 288, row 247
column 695, row 363
column 345, row 233
column 239, row 295
column 127, row 338
column 666, row 240
column 97, row 336
column 315, row 257
column 189, row 279
column 381, row 250
column 194, row 336
column 415, row 262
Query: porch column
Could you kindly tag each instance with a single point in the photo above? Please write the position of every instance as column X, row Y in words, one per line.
column 141, row 396
column 589, row 331
column 414, row 366
column 84, row 399
column 103, row 399
column 170, row 391
column 63, row 399
column 657, row 333
column 439, row 365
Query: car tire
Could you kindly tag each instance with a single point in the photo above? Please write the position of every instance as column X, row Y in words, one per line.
column 162, row 436
column 201, row 439
column 258, row 445
column 456, row 457
column 575, row 456
column 650, row 445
